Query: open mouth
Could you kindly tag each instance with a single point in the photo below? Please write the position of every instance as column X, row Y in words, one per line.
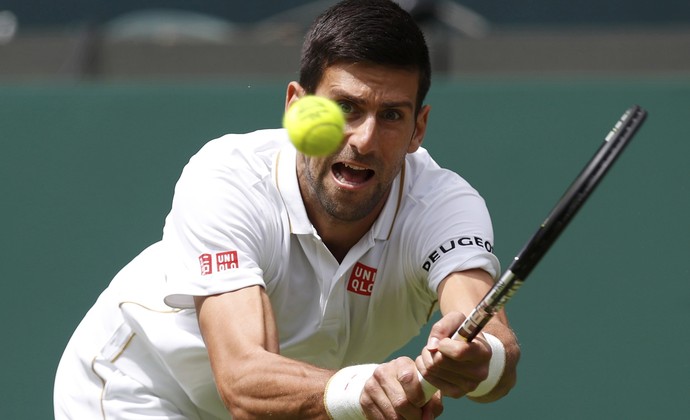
column 350, row 174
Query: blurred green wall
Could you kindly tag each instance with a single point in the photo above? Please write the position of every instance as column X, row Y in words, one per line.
column 87, row 174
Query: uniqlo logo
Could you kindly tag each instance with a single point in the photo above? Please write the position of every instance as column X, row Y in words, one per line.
column 226, row 260
column 206, row 264
column 362, row 280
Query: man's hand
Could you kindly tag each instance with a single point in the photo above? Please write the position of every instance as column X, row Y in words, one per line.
column 394, row 392
column 453, row 366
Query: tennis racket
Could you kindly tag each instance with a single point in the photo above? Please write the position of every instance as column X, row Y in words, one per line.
column 557, row 220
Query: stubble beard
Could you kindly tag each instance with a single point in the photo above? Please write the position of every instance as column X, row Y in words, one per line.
column 338, row 203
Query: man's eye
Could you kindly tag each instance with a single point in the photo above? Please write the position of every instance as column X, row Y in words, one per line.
column 391, row 115
column 345, row 107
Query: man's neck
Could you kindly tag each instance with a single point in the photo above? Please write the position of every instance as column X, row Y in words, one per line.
column 340, row 236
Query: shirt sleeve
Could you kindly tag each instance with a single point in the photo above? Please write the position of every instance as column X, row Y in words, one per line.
column 466, row 243
column 454, row 233
column 221, row 229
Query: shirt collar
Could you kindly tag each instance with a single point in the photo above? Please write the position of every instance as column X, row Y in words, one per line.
column 286, row 182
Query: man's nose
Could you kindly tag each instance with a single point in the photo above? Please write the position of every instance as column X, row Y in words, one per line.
column 362, row 136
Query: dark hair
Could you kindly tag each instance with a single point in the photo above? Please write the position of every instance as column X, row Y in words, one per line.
column 370, row 31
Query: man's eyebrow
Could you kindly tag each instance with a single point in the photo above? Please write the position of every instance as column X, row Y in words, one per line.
column 344, row 95
column 341, row 94
column 399, row 104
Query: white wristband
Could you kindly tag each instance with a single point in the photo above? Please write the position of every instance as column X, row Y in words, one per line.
column 343, row 390
column 496, row 366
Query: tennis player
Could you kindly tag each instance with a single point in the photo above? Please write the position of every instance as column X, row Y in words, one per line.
column 283, row 283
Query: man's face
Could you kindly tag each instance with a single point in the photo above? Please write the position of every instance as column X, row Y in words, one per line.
column 381, row 128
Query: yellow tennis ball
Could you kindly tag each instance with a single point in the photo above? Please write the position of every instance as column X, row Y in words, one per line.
column 315, row 125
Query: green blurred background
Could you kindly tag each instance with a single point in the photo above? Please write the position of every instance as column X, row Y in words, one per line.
column 88, row 163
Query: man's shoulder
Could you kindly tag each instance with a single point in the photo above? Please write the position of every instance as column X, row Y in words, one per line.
column 231, row 162
column 255, row 142
column 424, row 177
column 254, row 150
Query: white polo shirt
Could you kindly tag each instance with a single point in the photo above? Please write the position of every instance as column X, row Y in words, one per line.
column 238, row 219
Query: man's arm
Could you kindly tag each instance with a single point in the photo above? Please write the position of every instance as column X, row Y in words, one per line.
column 457, row 367
column 253, row 380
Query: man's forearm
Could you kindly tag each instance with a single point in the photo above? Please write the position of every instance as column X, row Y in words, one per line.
column 273, row 386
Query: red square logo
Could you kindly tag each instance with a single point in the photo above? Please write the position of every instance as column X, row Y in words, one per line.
column 362, row 280
column 226, row 260
column 206, row 264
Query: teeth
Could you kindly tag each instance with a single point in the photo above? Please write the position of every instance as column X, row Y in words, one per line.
column 356, row 168
column 352, row 174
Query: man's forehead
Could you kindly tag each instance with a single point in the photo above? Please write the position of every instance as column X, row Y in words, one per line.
column 393, row 83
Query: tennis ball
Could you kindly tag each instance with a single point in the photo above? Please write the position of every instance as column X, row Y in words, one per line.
column 315, row 125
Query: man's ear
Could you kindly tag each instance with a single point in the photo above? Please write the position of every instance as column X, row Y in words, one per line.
column 293, row 93
column 419, row 129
